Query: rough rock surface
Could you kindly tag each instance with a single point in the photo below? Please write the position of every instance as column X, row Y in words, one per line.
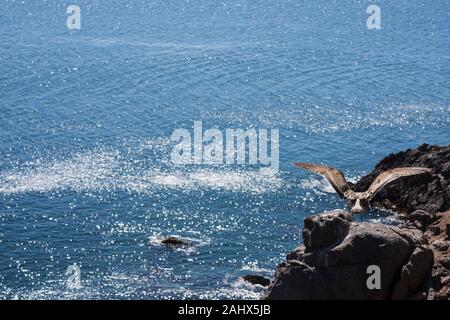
column 426, row 201
column 430, row 193
column 438, row 234
column 414, row 274
column 414, row 258
column 337, row 268
column 322, row 231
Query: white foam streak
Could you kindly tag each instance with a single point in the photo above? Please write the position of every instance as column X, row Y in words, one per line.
column 88, row 171
column 107, row 170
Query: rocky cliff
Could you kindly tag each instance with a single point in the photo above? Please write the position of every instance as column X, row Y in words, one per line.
column 340, row 259
column 430, row 193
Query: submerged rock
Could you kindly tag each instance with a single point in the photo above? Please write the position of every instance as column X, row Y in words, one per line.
column 174, row 241
column 256, row 279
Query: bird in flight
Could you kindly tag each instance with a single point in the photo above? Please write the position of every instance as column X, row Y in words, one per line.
column 360, row 200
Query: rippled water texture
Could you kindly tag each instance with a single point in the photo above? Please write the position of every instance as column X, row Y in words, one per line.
column 86, row 118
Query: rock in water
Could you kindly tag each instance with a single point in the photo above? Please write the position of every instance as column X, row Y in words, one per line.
column 174, row 241
column 337, row 253
column 256, row 279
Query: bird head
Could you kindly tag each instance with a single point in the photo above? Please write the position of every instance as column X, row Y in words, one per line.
column 359, row 206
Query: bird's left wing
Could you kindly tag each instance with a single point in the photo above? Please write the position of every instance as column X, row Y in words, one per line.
column 334, row 176
column 390, row 175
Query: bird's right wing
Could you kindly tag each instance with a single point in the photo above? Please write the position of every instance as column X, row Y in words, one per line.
column 334, row 176
column 390, row 175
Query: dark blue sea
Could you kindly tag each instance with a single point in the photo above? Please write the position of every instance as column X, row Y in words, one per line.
column 86, row 116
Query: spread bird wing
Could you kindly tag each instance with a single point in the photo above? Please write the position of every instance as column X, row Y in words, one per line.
column 334, row 176
column 390, row 175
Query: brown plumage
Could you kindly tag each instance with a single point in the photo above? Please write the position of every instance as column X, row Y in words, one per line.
column 360, row 200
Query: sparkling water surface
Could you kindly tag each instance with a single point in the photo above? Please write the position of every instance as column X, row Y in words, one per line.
column 86, row 118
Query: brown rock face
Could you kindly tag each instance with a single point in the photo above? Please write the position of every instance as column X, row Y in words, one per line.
column 425, row 199
column 322, row 231
column 413, row 273
column 426, row 192
column 439, row 239
column 414, row 259
column 338, row 269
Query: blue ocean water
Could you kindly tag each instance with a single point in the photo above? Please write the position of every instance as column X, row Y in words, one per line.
column 86, row 117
